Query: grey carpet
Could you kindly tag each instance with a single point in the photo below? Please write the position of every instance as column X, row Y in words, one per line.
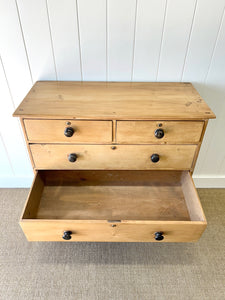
column 134, row 271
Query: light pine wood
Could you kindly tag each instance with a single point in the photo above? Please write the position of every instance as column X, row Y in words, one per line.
column 198, row 147
column 65, row 207
column 113, row 192
column 52, row 131
column 142, row 132
column 114, row 100
column 133, row 157
column 114, row 131
column 33, row 198
column 113, row 203
column 27, row 142
column 192, row 199
column 52, row 230
column 109, row 177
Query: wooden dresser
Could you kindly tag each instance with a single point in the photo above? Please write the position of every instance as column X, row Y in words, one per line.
column 113, row 161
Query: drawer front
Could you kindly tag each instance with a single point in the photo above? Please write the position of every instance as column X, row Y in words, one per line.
column 50, row 230
column 161, row 132
column 68, row 131
column 120, row 157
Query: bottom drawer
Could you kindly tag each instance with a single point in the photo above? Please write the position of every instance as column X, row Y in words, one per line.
column 113, row 206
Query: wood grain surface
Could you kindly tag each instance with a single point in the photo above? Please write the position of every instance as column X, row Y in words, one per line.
column 111, row 212
column 52, row 131
column 123, row 157
column 114, row 100
column 52, row 230
column 143, row 132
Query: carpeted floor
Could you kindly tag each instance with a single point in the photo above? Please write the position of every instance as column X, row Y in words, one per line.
column 104, row 271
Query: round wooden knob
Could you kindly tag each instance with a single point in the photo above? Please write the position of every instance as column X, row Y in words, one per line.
column 155, row 158
column 67, row 235
column 159, row 133
column 159, row 236
column 69, row 131
column 72, row 157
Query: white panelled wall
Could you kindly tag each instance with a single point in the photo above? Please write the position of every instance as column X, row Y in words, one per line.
column 111, row 40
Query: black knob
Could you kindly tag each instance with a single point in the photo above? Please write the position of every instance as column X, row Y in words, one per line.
column 72, row 157
column 69, row 131
column 159, row 236
column 155, row 158
column 67, row 235
column 159, row 133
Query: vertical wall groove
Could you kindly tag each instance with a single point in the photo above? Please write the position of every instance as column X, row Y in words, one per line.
column 7, row 82
column 78, row 28
column 3, row 142
column 161, row 42
column 50, row 32
column 13, row 105
column 189, row 38
column 7, row 154
column 214, row 47
column 106, row 40
column 205, row 154
column 25, row 47
column 135, row 26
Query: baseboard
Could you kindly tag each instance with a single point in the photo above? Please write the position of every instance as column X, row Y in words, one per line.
column 199, row 180
column 16, row 182
column 202, row 181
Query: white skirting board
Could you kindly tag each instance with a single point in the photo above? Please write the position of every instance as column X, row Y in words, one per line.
column 201, row 181
column 210, row 181
column 16, row 182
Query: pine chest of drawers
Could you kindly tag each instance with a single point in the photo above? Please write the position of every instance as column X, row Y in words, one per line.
column 113, row 161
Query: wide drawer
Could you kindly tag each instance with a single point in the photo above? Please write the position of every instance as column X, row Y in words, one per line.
column 68, row 131
column 158, row 132
column 103, row 157
column 113, row 206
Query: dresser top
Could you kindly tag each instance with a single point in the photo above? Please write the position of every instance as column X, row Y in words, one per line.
column 113, row 100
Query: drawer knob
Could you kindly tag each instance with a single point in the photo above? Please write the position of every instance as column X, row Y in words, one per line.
column 155, row 158
column 72, row 157
column 159, row 236
column 69, row 131
column 159, row 133
column 67, row 235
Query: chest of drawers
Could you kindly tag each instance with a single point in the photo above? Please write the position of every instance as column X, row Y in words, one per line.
column 113, row 161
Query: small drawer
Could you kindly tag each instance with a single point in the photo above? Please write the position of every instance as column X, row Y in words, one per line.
column 113, row 206
column 158, row 132
column 68, row 131
column 117, row 157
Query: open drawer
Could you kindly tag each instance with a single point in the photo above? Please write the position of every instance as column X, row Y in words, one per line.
column 113, row 206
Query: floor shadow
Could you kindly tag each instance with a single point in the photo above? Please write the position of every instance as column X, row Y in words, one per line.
column 117, row 253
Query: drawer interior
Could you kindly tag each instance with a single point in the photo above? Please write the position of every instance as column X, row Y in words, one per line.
column 113, row 196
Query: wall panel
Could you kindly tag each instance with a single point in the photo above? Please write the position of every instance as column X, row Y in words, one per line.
column 121, row 23
column 114, row 40
column 11, row 132
column 214, row 152
column 149, row 28
column 92, row 28
column 6, row 167
column 65, row 38
column 13, row 51
column 176, row 33
column 36, row 29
